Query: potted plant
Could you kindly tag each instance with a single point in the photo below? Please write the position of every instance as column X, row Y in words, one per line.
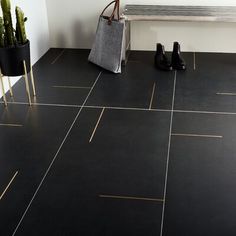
column 14, row 45
column 14, row 49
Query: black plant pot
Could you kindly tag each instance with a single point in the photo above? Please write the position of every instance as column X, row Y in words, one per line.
column 11, row 59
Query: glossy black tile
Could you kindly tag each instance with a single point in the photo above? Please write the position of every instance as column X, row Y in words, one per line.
column 211, row 87
column 115, row 92
column 61, row 77
column 29, row 139
column 130, row 218
column 48, row 58
column 109, row 176
column 127, row 156
column 220, row 62
column 50, row 94
column 134, row 86
column 73, row 69
column 100, row 218
column 137, row 143
column 67, row 66
column 200, row 191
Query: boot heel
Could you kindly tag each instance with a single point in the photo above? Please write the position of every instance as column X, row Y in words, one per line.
column 161, row 61
column 177, row 61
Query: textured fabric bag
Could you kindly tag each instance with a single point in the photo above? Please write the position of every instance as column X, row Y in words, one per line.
column 109, row 41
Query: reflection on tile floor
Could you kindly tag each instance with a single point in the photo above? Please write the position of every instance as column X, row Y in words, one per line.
column 105, row 154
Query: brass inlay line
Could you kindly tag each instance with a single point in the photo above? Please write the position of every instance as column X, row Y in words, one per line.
column 198, row 135
column 12, row 179
column 70, row 87
column 227, row 94
column 99, row 119
column 194, row 61
column 132, row 198
column 11, row 125
column 153, row 92
column 60, row 54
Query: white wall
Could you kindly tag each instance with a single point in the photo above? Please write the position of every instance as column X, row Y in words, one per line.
column 36, row 27
column 72, row 24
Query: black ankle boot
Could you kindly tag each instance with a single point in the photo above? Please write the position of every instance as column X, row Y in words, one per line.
column 177, row 62
column 161, row 61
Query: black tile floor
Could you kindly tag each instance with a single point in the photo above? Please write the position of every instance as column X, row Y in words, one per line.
column 140, row 153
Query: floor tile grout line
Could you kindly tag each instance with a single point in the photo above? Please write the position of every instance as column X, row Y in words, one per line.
column 205, row 112
column 97, row 124
column 125, row 108
column 131, row 198
column 87, row 106
column 8, row 186
column 128, row 108
column 53, row 160
column 46, row 104
column 168, row 156
column 153, row 92
column 197, row 135
column 58, row 56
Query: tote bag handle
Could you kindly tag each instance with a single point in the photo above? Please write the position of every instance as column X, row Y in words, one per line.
column 116, row 9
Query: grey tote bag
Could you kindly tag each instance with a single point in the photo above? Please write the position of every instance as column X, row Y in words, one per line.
column 109, row 41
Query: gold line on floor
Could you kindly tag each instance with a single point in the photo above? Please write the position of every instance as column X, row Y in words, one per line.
column 12, row 179
column 153, row 92
column 11, row 125
column 60, row 54
column 226, row 94
column 96, row 126
column 197, row 135
column 131, row 198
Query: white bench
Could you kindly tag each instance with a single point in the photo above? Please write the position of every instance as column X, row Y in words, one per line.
column 174, row 13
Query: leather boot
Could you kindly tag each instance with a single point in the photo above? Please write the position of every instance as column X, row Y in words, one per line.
column 177, row 62
column 161, row 61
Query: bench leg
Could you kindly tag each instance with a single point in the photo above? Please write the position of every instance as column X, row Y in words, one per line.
column 127, row 43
